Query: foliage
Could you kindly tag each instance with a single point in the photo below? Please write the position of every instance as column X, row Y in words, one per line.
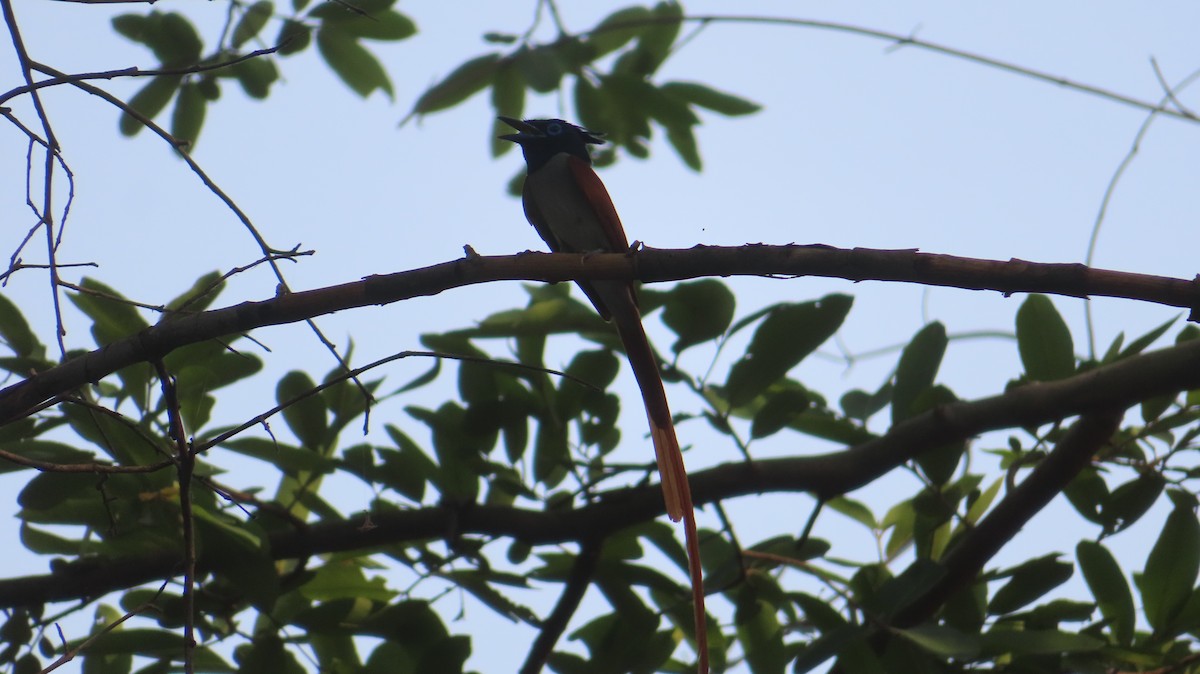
column 514, row 483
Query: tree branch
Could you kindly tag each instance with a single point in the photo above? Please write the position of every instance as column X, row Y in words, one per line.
column 858, row 264
column 568, row 602
column 965, row 560
column 1100, row 390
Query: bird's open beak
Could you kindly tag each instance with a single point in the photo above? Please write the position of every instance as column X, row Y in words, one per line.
column 526, row 130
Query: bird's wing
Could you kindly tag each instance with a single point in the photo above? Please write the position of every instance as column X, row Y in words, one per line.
column 596, row 195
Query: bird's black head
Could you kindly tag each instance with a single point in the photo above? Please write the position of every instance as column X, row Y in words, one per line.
column 541, row 139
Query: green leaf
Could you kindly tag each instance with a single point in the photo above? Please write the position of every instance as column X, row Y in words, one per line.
column 1109, row 587
column 698, row 311
column 43, row 450
column 149, row 101
column 1139, row 345
column 356, row 66
column 132, row 26
column 706, row 97
column 780, row 409
column 655, row 42
column 45, row 543
column 16, row 333
column 289, row 459
column 508, row 99
column 617, row 29
column 306, row 418
column 789, row 333
column 1044, row 340
column 1000, row 641
column 542, row 68
column 113, row 317
column 200, row 296
column 759, row 632
column 1171, row 568
column 294, row 37
column 1128, row 502
column 854, row 510
column 144, row 642
column 466, row 80
column 861, row 405
column 944, row 642
column 256, row 76
column 917, row 369
column 684, row 142
column 387, row 25
column 188, row 118
column 176, row 42
column 938, row 463
column 459, row 452
column 345, row 580
column 252, row 22
column 1028, row 582
column 238, row 551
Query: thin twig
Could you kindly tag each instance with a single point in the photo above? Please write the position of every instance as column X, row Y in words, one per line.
column 186, row 466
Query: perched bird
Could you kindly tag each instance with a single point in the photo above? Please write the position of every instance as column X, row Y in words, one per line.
column 570, row 209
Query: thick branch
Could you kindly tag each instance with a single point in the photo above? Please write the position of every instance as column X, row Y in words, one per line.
column 966, row 559
column 649, row 265
column 1116, row 386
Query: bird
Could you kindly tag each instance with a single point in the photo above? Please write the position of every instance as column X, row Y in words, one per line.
column 570, row 208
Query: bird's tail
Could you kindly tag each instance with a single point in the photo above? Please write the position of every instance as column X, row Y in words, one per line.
column 677, row 494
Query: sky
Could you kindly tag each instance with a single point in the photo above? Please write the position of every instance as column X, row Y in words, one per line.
column 860, row 144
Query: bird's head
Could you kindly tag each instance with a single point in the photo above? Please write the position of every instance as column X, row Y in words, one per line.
column 541, row 139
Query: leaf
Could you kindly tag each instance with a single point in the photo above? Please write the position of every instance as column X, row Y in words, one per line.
column 655, row 42
column 188, row 118
column 508, row 99
column 345, row 580
column 1138, row 345
column 1171, row 568
column 176, row 42
column 294, row 37
column 466, row 80
column 1128, row 502
column 1000, row 641
column 386, row 25
column 1109, row 587
column 149, row 101
column 542, row 68
column 703, row 96
column 289, row 459
column 617, row 29
column 1044, row 341
column 788, row 334
column 15, row 331
column 1028, row 582
column 759, row 632
column 256, row 76
column 238, row 551
column 861, row 405
column 944, row 642
column 854, row 510
column 144, row 642
column 357, row 67
column 200, row 296
column 780, row 409
column 698, row 311
column 918, row 366
column 252, row 22
column 306, row 418
column 684, row 141
column 113, row 317
column 132, row 26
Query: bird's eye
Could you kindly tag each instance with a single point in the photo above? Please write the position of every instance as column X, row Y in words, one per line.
column 553, row 129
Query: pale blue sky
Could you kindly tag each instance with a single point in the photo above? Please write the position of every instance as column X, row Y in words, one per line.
column 858, row 145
